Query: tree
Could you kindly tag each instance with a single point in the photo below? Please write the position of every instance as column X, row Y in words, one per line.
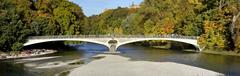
column 213, row 36
column 21, row 19
column 148, row 27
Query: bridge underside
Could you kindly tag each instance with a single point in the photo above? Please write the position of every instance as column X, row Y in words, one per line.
column 114, row 49
column 182, row 40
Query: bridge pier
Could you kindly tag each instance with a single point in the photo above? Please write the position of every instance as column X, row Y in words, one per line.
column 112, row 47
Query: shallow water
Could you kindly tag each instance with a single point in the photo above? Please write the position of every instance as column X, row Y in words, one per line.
column 228, row 65
column 29, row 68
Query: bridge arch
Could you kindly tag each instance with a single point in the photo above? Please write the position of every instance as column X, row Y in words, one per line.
column 188, row 41
column 37, row 41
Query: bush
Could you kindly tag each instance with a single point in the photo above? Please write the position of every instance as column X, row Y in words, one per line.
column 17, row 46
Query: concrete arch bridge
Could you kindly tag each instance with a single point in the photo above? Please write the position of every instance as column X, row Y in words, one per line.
column 113, row 42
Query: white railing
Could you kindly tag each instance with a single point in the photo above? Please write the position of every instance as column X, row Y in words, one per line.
column 112, row 36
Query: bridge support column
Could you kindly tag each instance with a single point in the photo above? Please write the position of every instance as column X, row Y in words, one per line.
column 112, row 47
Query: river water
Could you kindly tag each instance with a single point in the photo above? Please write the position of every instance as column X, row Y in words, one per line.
column 228, row 65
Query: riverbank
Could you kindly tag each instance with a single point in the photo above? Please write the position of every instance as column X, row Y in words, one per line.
column 230, row 53
column 25, row 54
column 115, row 65
column 218, row 52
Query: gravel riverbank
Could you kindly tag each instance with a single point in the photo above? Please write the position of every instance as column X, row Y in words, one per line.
column 25, row 54
column 115, row 65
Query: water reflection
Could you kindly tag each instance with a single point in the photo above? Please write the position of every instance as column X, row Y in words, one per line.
column 11, row 69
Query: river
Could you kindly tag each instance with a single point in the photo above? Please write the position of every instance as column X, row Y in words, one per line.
column 228, row 65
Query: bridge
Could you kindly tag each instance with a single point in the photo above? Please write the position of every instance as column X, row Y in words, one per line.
column 114, row 41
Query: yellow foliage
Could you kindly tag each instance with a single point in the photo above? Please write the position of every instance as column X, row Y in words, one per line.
column 213, row 35
column 194, row 1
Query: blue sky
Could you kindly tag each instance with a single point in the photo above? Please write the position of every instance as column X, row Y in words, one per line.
column 91, row 7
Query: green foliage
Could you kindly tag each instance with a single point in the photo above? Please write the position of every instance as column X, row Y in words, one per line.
column 148, row 27
column 20, row 19
column 109, row 22
column 213, row 35
column 212, row 20
column 209, row 19
column 17, row 46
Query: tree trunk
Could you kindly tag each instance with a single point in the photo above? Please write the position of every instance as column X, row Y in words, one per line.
column 233, row 25
column 233, row 34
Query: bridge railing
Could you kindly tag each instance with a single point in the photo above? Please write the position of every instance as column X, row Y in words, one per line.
column 113, row 36
column 69, row 36
column 155, row 36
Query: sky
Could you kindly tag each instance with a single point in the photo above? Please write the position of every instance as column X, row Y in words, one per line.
column 95, row 7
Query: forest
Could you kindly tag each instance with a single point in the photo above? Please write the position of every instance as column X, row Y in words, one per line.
column 216, row 22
